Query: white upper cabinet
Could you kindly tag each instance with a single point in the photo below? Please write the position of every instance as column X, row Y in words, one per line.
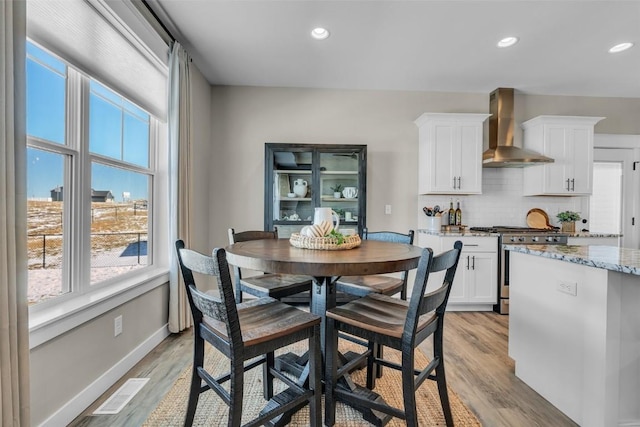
column 450, row 153
column 569, row 141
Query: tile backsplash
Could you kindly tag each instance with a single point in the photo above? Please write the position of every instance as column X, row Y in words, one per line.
column 502, row 202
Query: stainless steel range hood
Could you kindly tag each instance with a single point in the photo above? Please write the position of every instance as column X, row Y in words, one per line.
column 502, row 153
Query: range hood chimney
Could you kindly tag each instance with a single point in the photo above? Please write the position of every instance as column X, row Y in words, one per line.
column 502, row 153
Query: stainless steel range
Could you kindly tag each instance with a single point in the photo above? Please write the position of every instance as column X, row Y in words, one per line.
column 517, row 236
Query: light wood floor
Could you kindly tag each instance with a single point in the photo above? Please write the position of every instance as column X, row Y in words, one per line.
column 478, row 369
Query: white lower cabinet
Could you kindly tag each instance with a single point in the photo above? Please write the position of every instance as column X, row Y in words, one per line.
column 475, row 287
column 478, row 273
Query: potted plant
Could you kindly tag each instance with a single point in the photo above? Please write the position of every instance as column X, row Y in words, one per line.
column 337, row 191
column 568, row 221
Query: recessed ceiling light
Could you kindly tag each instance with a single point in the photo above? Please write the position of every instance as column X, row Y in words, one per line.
column 620, row 47
column 319, row 33
column 507, row 41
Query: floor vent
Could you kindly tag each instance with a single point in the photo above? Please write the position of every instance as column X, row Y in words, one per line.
column 121, row 397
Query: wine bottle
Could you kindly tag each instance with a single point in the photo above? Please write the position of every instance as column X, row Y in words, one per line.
column 458, row 214
column 452, row 213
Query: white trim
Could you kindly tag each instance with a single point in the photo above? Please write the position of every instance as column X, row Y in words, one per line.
column 128, row 21
column 604, row 140
column 469, row 307
column 629, row 423
column 47, row 324
column 93, row 391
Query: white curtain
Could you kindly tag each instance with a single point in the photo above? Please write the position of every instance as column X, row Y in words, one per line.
column 180, row 179
column 14, row 326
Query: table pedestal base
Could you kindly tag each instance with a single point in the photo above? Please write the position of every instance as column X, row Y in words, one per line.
column 295, row 365
column 376, row 418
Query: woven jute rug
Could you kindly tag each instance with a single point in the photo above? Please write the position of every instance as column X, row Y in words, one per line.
column 211, row 411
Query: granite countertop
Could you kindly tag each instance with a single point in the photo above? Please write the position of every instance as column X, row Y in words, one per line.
column 588, row 234
column 466, row 233
column 624, row 260
column 471, row 233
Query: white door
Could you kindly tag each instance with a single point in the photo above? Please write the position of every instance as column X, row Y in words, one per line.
column 581, row 179
column 460, row 289
column 614, row 203
column 482, row 284
column 445, row 157
column 559, row 173
column 470, row 155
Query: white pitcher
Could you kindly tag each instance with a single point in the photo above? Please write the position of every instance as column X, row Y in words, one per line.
column 326, row 214
column 300, row 187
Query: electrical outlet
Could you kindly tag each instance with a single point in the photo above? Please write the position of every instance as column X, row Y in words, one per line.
column 117, row 326
column 387, row 209
column 570, row 288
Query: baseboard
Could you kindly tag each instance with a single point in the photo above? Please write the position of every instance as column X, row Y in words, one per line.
column 86, row 397
column 469, row 307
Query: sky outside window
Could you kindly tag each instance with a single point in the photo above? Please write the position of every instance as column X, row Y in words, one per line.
column 46, row 86
column 117, row 128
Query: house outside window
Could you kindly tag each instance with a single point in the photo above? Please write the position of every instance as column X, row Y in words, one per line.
column 90, row 176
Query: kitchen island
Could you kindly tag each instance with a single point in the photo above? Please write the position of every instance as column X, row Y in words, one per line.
column 574, row 329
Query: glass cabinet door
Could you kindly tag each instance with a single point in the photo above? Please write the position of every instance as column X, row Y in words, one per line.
column 340, row 185
column 301, row 177
column 292, row 189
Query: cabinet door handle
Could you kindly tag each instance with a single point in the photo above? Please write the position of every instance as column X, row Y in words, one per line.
column 568, row 185
column 459, row 184
column 467, row 262
column 454, row 182
column 473, row 258
column 573, row 184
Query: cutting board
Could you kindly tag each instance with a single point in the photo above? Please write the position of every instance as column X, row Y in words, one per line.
column 537, row 218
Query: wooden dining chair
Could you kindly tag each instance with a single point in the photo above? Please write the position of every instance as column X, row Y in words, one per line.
column 402, row 325
column 381, row 284
column 248, row 334
column 271, row 285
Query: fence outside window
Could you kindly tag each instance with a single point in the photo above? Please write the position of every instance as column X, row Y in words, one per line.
column 108, row 249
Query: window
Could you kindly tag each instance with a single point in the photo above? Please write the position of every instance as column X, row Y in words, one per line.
column 90, row 178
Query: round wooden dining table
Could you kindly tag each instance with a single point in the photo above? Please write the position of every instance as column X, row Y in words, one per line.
column 326, row 267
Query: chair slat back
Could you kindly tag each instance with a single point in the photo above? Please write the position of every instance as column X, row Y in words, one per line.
column 222, row 309
column 446, row 261
column 245, row 236
column 422, row 303
column 392, row 236
column 389, row 236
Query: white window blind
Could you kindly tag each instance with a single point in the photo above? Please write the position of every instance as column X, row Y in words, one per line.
column 127, row 57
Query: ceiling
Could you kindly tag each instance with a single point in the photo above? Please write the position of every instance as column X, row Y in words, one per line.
column 443, row 46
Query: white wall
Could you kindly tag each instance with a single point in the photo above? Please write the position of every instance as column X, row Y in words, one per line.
column 200, row 160
column 244, row 118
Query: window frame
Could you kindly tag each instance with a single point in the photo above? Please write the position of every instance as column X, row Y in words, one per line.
column 84, row 300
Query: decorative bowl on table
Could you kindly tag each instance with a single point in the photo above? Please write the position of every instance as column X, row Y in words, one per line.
column 329, row 243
